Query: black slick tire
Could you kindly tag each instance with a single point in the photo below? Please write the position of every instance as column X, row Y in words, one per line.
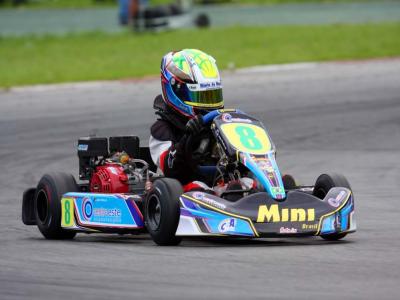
column 162, row 211
column 47, row 203
column 322, row 186
column 289, row 182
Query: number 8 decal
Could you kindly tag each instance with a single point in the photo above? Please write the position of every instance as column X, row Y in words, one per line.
column 248, row 138
column 67, row 211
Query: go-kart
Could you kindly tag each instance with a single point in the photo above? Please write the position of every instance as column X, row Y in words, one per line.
column 275, row 207
column 120, row 192
column 176, row 14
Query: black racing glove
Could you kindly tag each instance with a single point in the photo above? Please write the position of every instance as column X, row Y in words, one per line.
column 195, row 125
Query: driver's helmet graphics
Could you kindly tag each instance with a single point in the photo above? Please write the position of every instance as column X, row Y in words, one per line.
column 191, row 82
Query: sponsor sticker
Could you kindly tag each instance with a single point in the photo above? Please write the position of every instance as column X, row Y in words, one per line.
column 83, row 147
column 227, row 118
column 203, row 197
column 274, row 214
column 335, row 202
column 227, row 225
column 192, row 87
column 309, row 226
column 287, row 230
column 100, row 210
column 210, row 85
column 87, row 209
column 129, row 196
column 113, row 170
column 278, row 190
column 107, row 212
column 265, row 165
column 198, row 195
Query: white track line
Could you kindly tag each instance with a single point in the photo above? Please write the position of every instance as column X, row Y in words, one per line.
column 277, row 68
column 97, row 84
column 61, row 86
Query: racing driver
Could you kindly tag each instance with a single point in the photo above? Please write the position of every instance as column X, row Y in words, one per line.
column 191, row 86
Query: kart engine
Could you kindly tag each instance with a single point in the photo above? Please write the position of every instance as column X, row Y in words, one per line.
column 109, row 178
column 118, row 172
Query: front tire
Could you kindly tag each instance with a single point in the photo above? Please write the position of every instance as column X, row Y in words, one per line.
column 289, row 182
column 322, row 186
column 47, row 203
column 162, row 211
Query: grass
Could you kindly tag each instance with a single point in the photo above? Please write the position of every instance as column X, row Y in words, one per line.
column 297, row 1
column 101, row 56
column 105, row 3
column 59, row 3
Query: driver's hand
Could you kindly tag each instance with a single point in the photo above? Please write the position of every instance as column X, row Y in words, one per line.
column 195, row 125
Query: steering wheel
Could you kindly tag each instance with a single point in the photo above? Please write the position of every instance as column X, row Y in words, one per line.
column 201, row 150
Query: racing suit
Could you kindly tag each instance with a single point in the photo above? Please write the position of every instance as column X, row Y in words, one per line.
column 167, row 148
column 167, row 142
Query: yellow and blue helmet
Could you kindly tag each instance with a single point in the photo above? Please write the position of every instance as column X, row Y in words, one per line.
column 191, row 82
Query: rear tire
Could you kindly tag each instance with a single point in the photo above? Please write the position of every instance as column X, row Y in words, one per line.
column 322, row 186
column 162, row 211
column 47, row 204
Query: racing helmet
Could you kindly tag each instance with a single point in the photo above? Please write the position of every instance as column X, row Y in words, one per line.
column 190, row 82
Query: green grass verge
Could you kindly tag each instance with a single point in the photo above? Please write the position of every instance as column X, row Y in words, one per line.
column 59, row 4
column 268, row 2
column 98, row 56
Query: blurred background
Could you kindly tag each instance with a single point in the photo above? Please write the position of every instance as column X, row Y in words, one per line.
column 80, row 40
column 323, row 76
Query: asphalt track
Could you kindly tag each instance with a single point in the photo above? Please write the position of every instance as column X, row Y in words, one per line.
column 342, row 117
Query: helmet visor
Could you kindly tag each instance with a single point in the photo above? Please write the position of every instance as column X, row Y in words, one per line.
column 204, row 99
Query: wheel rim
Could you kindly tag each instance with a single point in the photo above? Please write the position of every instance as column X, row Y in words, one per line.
column 42, row 206
column 154, row 212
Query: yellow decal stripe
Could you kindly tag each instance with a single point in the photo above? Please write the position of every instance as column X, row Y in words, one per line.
column 224, row 212
column 219, row 104
column 331, row 213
